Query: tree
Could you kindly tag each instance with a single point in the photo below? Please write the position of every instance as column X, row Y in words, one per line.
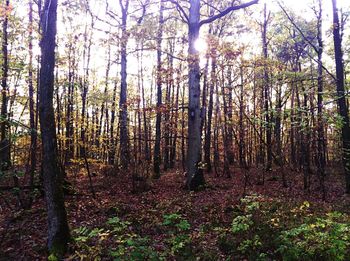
column 318, row 49
column 123, row 116
column 32, row 116
column 157, row 158
column 266, row 88
column 341, row 95
column 4, row 142
column 58, row 230
column 195, row 176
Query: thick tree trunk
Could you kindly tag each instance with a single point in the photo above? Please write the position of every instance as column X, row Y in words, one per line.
column 342, row 104
column 58, row 230
column 195, row 176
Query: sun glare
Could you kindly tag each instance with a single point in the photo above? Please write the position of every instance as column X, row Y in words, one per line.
column 201, row 45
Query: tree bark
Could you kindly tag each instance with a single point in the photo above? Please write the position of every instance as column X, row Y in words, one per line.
column 4, row 142
column 33, row 131
column 342, row 105
column 58, row 230
column 320, row 125
column 195, row 176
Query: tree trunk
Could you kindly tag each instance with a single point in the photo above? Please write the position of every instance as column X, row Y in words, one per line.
column 242, row 152
column 173, row 148
column 267, row 92
column 58, row 230
column 111, row 152
column 69, row 109
column 207, row 141
column 145, row 125
column 230, row 152
column 123, row 117
column 168, row 104
column 320, row 125
column 4, row 142
column 342, row 105
column 33, row 131
column 157, row 158
column 195, row 176
column 84, row 83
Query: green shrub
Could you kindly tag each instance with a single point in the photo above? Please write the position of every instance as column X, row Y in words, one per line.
column 179, row 240
column 323, row 239
column 265, row 229
column 92, row 244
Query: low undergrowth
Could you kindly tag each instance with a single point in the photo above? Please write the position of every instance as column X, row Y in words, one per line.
column 265, row 229
column 261, row 229
column 119, row 241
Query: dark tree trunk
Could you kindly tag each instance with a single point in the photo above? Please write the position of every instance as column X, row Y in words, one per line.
column 84, row 84
column 242, row 153
column 58, row 230
column 33, row 131
column 4, row 142
column 183, row 122
column 145, row 125
column 267, row 91
column 224, row 129
column 111, row 152
column 104, row 108
column 69, row 109
column 173, row 148
column 167, row 116
column 321, row 160
column 342, row 105
column 305, row 147
column 278, row 139
column 230, row 152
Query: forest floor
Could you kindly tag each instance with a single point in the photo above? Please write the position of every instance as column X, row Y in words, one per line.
column 23, row 232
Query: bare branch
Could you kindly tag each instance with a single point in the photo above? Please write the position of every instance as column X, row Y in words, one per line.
column 298, row 29
column 180, row 10
column 211, row 6
column 323, row 67
column 227, row 11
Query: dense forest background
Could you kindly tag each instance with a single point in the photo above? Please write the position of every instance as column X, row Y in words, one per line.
column 195, row 129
